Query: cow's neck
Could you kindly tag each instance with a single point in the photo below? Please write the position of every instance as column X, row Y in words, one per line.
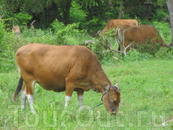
column 99, row 79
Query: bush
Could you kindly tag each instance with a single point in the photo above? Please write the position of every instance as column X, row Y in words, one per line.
column 21, row 18
column 164, row 30
column 69, row 34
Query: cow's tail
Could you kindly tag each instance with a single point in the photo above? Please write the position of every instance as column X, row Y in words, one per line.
column 18, row 89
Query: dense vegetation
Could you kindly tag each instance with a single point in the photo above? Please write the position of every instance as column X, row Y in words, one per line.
column 145, row 80
column 77, row 23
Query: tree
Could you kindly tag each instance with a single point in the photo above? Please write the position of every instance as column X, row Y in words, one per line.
column 120, row 9
column 95, row 12
column 43, row 11
column 170, row 8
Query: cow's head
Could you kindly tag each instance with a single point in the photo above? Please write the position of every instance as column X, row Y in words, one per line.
column 111, row 98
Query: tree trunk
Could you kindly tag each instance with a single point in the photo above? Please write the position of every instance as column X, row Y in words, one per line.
column 110, row 4
column 170, row 8
column 66, row 11
column 120, row 9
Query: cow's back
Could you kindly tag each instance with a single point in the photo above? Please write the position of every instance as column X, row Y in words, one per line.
column 45, row 63
column 118, row 22
column 140, row 33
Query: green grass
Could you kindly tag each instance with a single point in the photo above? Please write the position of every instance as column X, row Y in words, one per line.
column 146, row 101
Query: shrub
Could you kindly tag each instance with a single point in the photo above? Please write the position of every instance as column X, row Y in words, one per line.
column 69, row 34
column 164, row 30
column 21, row 18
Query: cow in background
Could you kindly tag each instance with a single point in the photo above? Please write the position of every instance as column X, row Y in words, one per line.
column 143, row 37
column 113, row 24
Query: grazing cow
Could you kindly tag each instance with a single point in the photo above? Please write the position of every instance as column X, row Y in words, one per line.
column 63, row 68
column 113, row 24
column 145, row 38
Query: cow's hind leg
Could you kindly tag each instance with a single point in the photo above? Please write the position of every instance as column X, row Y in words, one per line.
column 29, row 86
column 23, row 97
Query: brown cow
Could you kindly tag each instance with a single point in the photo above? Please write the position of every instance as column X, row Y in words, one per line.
column 113, row 24
column 64, row 68
column 145, row 36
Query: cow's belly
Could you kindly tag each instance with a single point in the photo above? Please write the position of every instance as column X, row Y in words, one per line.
column 54, row 84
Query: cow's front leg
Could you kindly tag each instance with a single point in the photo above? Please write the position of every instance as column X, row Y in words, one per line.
column 67, row 99
column 69, row 91
column 80, row 97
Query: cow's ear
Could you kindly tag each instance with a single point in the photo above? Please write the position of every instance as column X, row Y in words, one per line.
column 106, row 86
column 116, row 84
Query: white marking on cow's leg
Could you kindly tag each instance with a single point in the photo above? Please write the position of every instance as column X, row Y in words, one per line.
column 29, row 94
column 33, row 84
column 31, row 102
column 23, row 99
column 67, row 99
column 80, row 100
column 19, row 69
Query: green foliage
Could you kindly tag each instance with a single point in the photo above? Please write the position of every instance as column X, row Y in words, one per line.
column 22, row 18
column 160, row 13
column 87, row 12
column 3, row 45
column 164, row 30
column 165, row 53
column 89, row 3
column 69, row 34
column 147, row 47
column 76, row 13
column 135, row 55
column 7, row 53
column 104, row 47
column 93, row 25
column 2, row 33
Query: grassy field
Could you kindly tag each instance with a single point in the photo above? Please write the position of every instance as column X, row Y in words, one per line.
column 146, row 101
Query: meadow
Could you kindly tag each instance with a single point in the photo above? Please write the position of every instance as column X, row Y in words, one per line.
column 146, row 100
column 145, row 82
